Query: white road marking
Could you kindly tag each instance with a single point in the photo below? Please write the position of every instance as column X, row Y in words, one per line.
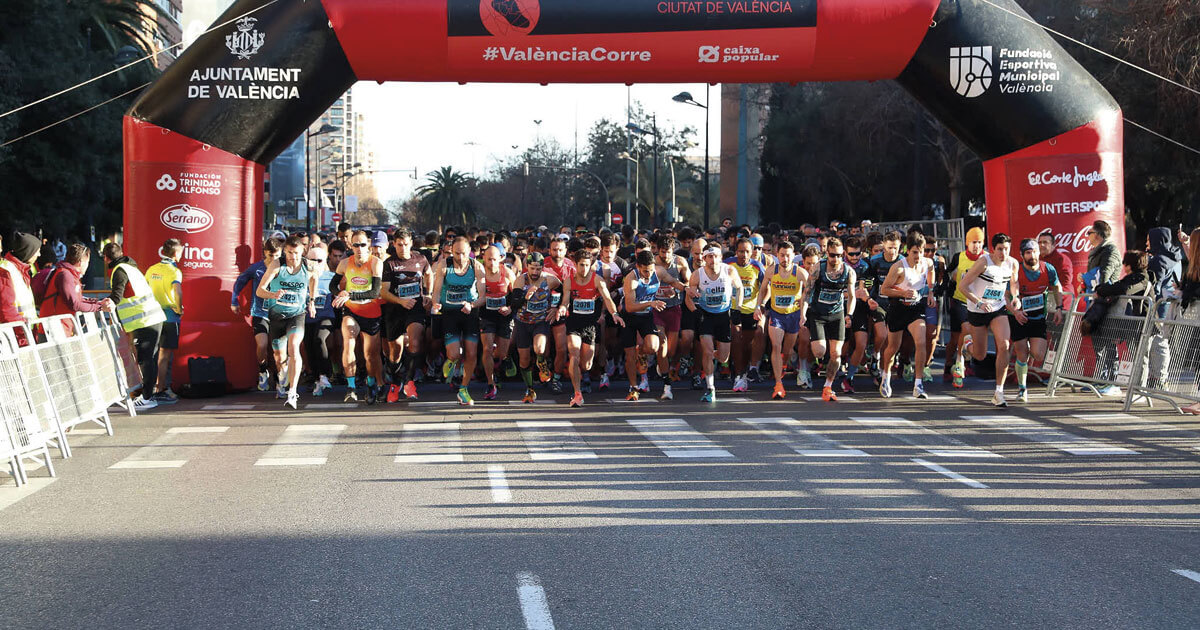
column 925, row 439
column 819, row 399
column 676, row 438
column 342, row 405
column 430, row 443
column 228, row 407
column 534, row 606
column 791, row 433
column 536, row 402
column 553, row 439
column 10, row 494
column 500, row 491
column 735, row 399
column 302, row 445
column 1191, row 575
column 622, row 401
column 1056, row 438
column 86, row 432
column 949, row 473
column 166, row 450
column 1177, row 437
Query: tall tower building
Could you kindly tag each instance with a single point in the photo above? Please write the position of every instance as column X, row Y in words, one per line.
column 164, row 29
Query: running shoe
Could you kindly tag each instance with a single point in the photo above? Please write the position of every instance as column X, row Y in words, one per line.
column 919, row 390
column 685, row 367
column 372, row 394
column 633, row 394
column 928, row 376
column 264, row 382
column 530, row 396
column 322, row 385
column 644, row 384
column 998, row 400
column 556, row 385
column 697, row 381
column 543, row 367
column 779, row 393
column 586, row 387
column 410, row 390
column 293, row 400
column 1111, row 390
column 281, row 392
column 491, row 393
column 827, row 394
column 143, row 404
column 1023, row 395
column 956, row 373
column 604, row 382
column 393, row 394
column 510, row 368
column 739, row 384
column 667, row 395
column 464, row 397
column 448, row 370
column 804, row 379
column 847, row 386
column 885, row 389
column 753, row 374
column 351, row 396
column 166, row 397
column 908, row 373
column 710, row 395
column 577, row 399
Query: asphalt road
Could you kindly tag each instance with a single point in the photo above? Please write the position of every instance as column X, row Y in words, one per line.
column 948, row 513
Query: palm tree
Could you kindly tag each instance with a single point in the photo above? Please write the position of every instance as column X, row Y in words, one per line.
column 444, row 196
column 125, row 22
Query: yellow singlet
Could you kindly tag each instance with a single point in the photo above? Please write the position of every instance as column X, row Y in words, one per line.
column 785, row 290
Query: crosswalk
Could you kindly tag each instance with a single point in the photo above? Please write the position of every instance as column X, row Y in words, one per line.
column 860, row 436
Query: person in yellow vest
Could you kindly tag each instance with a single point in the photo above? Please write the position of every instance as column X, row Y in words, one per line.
column 16, row 296
column 140, row 316
column 166, row 281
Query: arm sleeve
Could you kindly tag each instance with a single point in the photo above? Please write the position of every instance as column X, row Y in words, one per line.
column 240, row 284
column 335, row 284
column 516, row 299
column 119, row 281
column 369, row 294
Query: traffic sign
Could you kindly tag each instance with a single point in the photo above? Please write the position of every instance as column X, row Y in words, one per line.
column 617, row 219
column 337, row 216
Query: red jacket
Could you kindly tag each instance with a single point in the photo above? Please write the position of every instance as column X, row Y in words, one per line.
column 8, row 296
column 1066, row 274
column 64, row 293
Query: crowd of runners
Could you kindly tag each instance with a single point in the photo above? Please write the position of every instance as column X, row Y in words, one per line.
column 397, row 315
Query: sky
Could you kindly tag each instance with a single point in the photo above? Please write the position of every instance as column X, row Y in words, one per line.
column 471, row 127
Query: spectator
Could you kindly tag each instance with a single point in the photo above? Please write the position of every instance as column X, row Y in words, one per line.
column 1104, row 259
column 1164, row 273
column 1133, row 282
column 44, row 266
column 60, row 250
column 166, row 280
column 64, row 287
column 1062, row 264
column 16, row 294
column 140, row 315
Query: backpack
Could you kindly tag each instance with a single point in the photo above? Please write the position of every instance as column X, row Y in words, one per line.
column 206, row 378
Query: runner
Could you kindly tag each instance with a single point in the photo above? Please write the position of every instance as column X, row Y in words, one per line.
column 958, row 267
column 531, row 302
column 641, row 301
column 356, row 284
column 288, row 288
column 748, row 341
column 689, row 352
column 860, row 320
column 258, row 310
column 580, row 292
column 668, row 320
column 990, row 287
column 881, row 266
column 1040, row 291
column 558, row 264
column 715, row 288
column 496, row 320
column 784, row 319
column 807, row 363
column 407, row 280
column 459, row 286
column 909, row 284
column 612, row 269
column 320, row 327
column 826, row 307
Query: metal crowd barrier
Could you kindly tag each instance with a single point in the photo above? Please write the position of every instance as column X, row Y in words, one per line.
column 1172, row 357
column 55, row 374
column 1107, row 356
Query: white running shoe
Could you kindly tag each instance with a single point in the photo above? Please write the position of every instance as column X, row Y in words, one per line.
column 293, row 400
column 1023, row 395
column 644, row 384
column 281, row 392
column 667, row 395
column 919, row 390
column 885, row 389
column 143, row 404
column 739, row 384
column 322, row 385
column 998, row 400
column 804, row 379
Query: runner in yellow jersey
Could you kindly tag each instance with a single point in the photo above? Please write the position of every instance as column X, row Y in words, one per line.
column 748, row 337
column 779, row 299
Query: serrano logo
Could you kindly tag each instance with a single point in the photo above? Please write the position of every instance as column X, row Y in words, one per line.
column 506, row 18
column 971, row 70
column 185, row 218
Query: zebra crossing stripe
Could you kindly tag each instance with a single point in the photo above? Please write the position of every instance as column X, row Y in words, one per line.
column 924, row 438
column 549, row 440
column 791, row 433
column 302, row 445
column 430, row 443
column 677, row 439
column 166, row 451
column 1050, row 436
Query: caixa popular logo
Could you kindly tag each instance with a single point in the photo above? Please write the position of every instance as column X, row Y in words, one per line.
column 185, row 218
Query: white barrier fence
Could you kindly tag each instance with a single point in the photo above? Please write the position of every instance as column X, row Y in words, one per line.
column 55, row 374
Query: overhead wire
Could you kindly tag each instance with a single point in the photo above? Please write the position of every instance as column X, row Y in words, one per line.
column 75, row 115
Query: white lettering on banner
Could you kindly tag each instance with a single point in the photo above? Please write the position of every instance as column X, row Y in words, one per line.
column 733, row 54
column 715, row 8
column 1074, row 179
column 1067, row 207
column 186, row 218
column 537, row 53
column 196, row 257
column 1024, row 70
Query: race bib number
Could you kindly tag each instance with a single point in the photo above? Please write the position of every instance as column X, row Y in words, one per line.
column 412, row 290
column 555, row 299
column 829, row 297
column 747, row 293
column 320, row 301
column 993, row 294
column 1033, row 302
column 583, row 307
column 539, row 306
column 456, row 297
column 784, row 301
column 496, row 303
column 288, row 297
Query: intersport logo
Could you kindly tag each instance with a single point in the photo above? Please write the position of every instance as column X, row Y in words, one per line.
column 186, row 218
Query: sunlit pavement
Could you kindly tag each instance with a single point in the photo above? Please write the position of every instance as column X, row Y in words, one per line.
column 237, row 512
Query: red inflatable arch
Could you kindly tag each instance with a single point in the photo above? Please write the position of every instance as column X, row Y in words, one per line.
column 197, row 140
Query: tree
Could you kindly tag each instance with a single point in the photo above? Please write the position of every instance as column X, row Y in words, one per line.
column 445, row 196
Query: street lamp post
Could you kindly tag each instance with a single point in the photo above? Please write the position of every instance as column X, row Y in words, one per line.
column 308, row 179
column 637, row 184
column 607, row 197
column 685, row 97
column 653, row 131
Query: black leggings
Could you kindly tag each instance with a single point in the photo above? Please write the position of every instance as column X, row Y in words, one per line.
column 316, row 335
column 145, row 342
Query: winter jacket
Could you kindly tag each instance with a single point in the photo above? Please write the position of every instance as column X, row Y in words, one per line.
column 1107, row 259
column 64, row 293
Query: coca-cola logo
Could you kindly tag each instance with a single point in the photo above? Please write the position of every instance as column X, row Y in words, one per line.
column 186, row 218
column 1076, row 243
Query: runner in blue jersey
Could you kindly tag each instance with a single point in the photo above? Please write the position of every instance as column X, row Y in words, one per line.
column 288, row 287
column 258, row 311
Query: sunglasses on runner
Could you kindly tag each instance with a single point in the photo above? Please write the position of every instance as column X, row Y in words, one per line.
column 359, row 245
column 834, row 255
column 853, row 253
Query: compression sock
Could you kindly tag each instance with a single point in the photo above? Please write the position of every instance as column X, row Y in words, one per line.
column 370, row 381
column 850, row 372
column 708, row 380
column 527, row 376
column 350, row 382
column 1022, row 373
column 415, row 364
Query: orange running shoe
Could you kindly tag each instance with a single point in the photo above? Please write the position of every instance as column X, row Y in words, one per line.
column 827, row 395
column 393, row 393
column 577, row 400
column 780, row 393
column 410, row 390
column 633, row 394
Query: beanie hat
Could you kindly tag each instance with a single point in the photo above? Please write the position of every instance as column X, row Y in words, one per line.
column 976, row 234
column 25, row 246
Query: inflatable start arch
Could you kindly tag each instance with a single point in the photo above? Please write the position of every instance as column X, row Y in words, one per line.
column 196, row 142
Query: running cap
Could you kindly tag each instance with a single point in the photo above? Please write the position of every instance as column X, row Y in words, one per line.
column 380, row 240
column 756, row 240
column 1028, row 244
column 976, row 234
column 535, row 257
column 712, row 251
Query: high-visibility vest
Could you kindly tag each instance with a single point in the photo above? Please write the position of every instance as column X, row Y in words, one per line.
column 142, row 309
column 23, row 295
